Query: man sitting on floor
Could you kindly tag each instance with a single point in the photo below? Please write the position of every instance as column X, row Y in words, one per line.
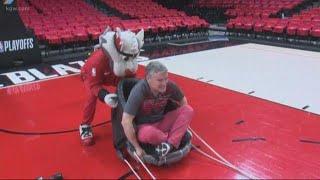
column 146, row 108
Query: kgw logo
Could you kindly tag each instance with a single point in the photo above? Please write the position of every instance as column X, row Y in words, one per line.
column 7, row 2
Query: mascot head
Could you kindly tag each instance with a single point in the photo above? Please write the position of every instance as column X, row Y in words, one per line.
column 123, row 47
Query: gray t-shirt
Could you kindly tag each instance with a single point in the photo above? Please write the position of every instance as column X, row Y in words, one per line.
column 148, row 108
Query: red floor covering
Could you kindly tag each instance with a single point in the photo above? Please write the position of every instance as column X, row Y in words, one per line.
column 227, row 120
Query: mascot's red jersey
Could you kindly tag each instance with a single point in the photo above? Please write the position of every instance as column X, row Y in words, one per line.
column 97, row 72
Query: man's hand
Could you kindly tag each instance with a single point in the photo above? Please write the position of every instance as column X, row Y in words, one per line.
column 131, row 134
column 140, row 152
column 111, row 100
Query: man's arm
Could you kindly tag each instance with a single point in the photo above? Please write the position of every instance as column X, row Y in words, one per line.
column 183, row 101
column 127, row 124
column 177, row 95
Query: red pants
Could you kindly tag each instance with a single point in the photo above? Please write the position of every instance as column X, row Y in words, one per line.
column 89, row 106
column 171, row 129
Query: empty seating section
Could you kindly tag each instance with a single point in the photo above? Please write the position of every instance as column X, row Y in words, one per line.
column 261, row 8
column 64, row 21
column 142, row 9
column 59, row 22
column 303, row 25
column 154, row 18
column 307, row 23
column 165, row 24
column 257, row 8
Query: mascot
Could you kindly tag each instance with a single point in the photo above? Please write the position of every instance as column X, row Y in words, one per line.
column 114, row 58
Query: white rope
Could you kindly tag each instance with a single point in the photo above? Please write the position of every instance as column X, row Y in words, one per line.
column 219, row 161
column 145, row 167
column 218, row 155
column 135, row 173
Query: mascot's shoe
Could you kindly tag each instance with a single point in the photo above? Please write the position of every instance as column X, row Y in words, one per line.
column 163, row 149
column 86, row 135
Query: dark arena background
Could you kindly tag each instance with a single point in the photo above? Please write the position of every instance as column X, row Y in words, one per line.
column 249, row 68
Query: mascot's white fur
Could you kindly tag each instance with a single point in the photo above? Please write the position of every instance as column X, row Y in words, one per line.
column 123, row 48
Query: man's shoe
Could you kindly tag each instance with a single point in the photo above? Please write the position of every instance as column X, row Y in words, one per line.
column 163, row 149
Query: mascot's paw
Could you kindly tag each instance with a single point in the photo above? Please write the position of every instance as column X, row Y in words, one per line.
column 111, row 100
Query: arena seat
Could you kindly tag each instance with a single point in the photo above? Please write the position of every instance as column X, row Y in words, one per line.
column 71, row 21
column 162, row 20
column 303, row 25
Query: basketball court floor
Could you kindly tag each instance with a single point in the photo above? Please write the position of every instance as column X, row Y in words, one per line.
column 257, row 106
